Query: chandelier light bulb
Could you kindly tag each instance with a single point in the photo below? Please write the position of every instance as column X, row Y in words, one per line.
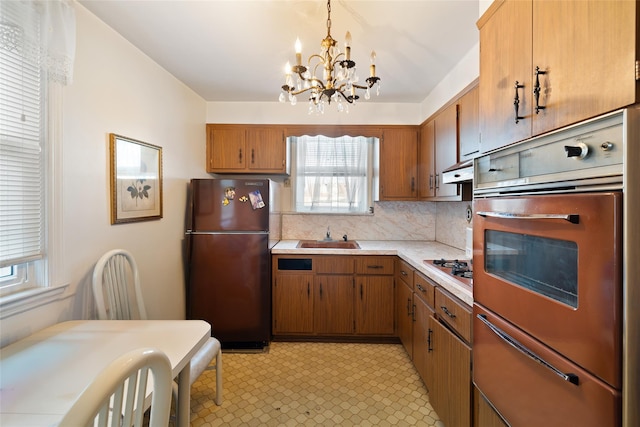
column 298, row 47
column 372, row 67
column 282, row 98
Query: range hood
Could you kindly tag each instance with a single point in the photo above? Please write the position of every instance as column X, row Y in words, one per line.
column 459, row 173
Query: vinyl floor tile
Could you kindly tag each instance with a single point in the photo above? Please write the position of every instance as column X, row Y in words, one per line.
column 315, row 384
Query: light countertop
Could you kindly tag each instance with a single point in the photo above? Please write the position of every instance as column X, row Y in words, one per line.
column 413, row 252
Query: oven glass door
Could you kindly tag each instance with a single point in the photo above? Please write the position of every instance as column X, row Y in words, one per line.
column 544, row 265
column 551, row 265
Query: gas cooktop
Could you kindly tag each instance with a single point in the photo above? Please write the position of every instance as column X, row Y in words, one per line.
column 459, row 269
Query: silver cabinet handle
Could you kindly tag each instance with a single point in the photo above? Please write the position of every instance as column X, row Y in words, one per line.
column 572, row 378
column 572, row 218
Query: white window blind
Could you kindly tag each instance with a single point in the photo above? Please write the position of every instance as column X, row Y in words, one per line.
column 333, row 174
column 21, row 135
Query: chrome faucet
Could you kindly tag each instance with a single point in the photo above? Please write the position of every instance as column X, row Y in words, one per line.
column 328, row 237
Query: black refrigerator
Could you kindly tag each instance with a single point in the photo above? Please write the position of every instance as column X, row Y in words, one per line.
column 228, row 261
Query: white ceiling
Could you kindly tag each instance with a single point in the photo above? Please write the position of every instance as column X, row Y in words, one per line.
column 235, row 50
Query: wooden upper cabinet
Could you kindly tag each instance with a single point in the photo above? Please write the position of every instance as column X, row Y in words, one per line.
column 469, row 123
column 505, row 58
column 225, row 149
column 585, row 51
column 266, row 149
column 426, row 161
column 398, row 163
column 588, row 51
column 446, row 148
column 246, row 149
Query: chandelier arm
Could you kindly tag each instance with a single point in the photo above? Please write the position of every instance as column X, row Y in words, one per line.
column 315, row 55
column 298, row 92
column 318, row 81
column 347, row 98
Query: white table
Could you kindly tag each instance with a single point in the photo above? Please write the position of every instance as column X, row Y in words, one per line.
column 43, row 374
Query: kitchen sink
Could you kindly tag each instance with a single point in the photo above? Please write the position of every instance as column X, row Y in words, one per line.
column 329, row 244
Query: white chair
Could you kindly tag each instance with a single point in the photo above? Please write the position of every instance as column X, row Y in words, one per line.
column 116, row 397
column 117, row 294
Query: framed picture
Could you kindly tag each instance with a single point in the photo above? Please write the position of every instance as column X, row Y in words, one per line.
column 136, row 180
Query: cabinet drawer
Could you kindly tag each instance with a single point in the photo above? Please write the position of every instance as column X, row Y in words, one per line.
column 405, row 272
column 375, row 264
column 333, row 264
column 454, row 313
column 424, row 288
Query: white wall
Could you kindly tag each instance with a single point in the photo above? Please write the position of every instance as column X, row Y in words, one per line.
column 118, row 89
column 364, row 112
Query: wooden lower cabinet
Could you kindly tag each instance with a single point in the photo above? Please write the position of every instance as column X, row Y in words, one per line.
column 422, row 336
column 294, row 312
column 483, row 413
column 333, row 307
column 333, row 296
column 404, row 316
column 374, row 305
column 450, row 394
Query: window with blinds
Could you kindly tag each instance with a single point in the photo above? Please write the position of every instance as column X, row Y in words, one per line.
column 333, row 175
column 21, row 142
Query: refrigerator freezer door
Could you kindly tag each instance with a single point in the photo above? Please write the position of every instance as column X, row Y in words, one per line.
column 229, row 205
column 229, row 286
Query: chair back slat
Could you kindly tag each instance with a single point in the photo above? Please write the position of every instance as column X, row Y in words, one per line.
column 116, row 396
column 116, row 287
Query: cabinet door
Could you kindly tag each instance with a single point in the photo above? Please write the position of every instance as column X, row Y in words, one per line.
column 468, row 123
column 293, row 304
column 225, row 149
column 422, row 335
column 404, row 316
column 374, row 305
column 398, row 164
column 266, row 150
column 333, row 308
column 505, row 57
column 450, row 394
column 426, row 161
column 446, row 151
column 588, row 51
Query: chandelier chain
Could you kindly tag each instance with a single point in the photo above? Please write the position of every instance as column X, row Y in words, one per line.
column 328, row 17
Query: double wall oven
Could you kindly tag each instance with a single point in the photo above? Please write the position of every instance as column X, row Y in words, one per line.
column 548, row 276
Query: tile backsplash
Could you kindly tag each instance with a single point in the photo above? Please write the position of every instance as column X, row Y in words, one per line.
column 441, row 221
column 451, row 220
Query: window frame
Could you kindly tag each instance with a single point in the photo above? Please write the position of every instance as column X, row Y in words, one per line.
column 367, row 196
column 38, row 282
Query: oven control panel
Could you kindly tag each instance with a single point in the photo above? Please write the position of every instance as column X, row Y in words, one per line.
column 585, row 155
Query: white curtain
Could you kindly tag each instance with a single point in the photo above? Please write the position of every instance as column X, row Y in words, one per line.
column 37, row 48
column 332, row 174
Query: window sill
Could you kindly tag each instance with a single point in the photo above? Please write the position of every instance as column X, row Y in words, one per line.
column 22, row 301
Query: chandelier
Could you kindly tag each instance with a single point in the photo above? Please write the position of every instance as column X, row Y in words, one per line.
column 339, row 80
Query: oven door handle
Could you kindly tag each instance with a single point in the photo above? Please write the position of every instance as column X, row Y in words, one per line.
column 572, row 378
column 572, row 218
